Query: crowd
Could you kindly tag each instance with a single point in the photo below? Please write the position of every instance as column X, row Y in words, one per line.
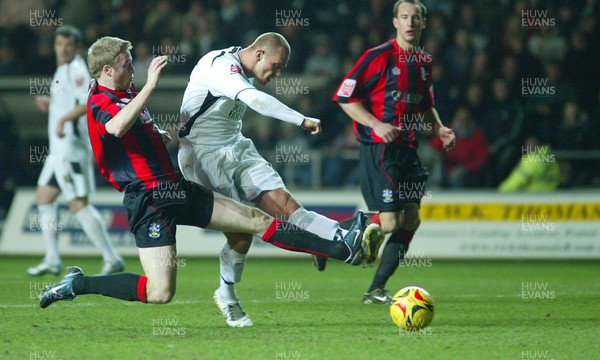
column 504, row 71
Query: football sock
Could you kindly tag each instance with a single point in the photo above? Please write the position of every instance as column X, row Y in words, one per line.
column 290, row 237
column 124, row 286
column 95, row 229
column 316, row 223
column 231, row 264
column 48, row 224
column 393, row 253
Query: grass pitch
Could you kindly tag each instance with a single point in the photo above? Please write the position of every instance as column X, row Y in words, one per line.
column 484, row 310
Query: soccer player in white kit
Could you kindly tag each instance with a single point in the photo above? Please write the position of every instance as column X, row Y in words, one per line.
column 214, row 153
column 68, row 168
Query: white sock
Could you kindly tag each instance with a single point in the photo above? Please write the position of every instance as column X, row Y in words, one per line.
column 316, row 224
column 231, row 265
column 95, row 229
column 48, row 223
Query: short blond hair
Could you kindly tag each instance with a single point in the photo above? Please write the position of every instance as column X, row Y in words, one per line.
column 105, row 51
column 271, row 41
column 418, row 3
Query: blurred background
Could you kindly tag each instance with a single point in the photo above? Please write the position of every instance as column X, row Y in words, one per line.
column 509, row 77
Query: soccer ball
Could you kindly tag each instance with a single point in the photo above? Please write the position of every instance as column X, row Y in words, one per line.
column 412, row 308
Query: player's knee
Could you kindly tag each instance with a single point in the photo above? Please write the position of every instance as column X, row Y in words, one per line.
column 162, row 295
column 390, row 224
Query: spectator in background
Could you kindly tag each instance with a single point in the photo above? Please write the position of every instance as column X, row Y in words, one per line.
column 464, row 167
column 503, row 125
column 537, row 170
column 459, row 56
column 355, row 48
column 548, row 45
column 9, row 62
column 480, row 70
column 322, row 61
column 161, row 21
column 142, row 59
column 339, row 169
column 575, row 133
column 474, row 101
column 544, row 109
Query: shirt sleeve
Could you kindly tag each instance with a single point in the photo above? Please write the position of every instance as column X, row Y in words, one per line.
column 428, row 100
column 357, row 85
column 224, row 78
column 80, row 79
column 103, row 110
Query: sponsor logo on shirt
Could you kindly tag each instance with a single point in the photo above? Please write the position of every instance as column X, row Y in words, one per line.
column 234, row 69
column 80, row 81
column 347, row 88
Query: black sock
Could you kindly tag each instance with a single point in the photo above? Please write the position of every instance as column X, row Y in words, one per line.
column 124, row 286
column 290, row 237
column 393, row 253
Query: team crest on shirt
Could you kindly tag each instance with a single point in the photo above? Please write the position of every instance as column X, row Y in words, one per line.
column 388, row 196
column 154, row 230
column 396, row 71
column 347, row 88
column 424, row 74
column 234, row 69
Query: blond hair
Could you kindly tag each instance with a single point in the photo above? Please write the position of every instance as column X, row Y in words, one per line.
column 105, row 51
column 271, row 41
column 418, row 3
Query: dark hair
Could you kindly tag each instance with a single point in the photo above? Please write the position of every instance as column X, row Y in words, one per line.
column 69, row 32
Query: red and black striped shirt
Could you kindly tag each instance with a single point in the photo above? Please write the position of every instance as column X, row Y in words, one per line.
column 139, row 158
column 394, row 85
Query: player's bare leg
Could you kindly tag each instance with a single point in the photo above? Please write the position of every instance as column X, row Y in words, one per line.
column 402, row 225
column 160, row 267
column 45, row 196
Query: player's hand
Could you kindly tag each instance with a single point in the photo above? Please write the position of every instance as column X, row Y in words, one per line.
column 154, row 70
column 448, row 138
column 386, row 131
column 42, row 103
column 312, row 124
column 60, row 129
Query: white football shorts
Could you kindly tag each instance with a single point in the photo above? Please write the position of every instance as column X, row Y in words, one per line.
column 75, row 179
column 235, row 170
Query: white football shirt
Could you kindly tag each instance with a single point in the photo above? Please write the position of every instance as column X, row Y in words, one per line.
column 211, row 114
column 69, row 88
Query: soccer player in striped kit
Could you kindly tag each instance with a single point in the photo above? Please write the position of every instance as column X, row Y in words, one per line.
column 389, row 96
column 131, row 153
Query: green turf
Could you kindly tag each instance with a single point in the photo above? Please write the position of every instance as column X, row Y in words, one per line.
column 481, row 313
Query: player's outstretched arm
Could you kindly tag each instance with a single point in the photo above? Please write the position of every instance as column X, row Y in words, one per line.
column 267, row 105
column 125, row 119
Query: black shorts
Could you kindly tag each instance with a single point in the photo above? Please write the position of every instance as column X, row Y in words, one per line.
column 153, row 214
column 390, row 176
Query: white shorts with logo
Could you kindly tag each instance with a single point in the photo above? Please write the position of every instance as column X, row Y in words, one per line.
column 75, row 179
column 235, row 170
